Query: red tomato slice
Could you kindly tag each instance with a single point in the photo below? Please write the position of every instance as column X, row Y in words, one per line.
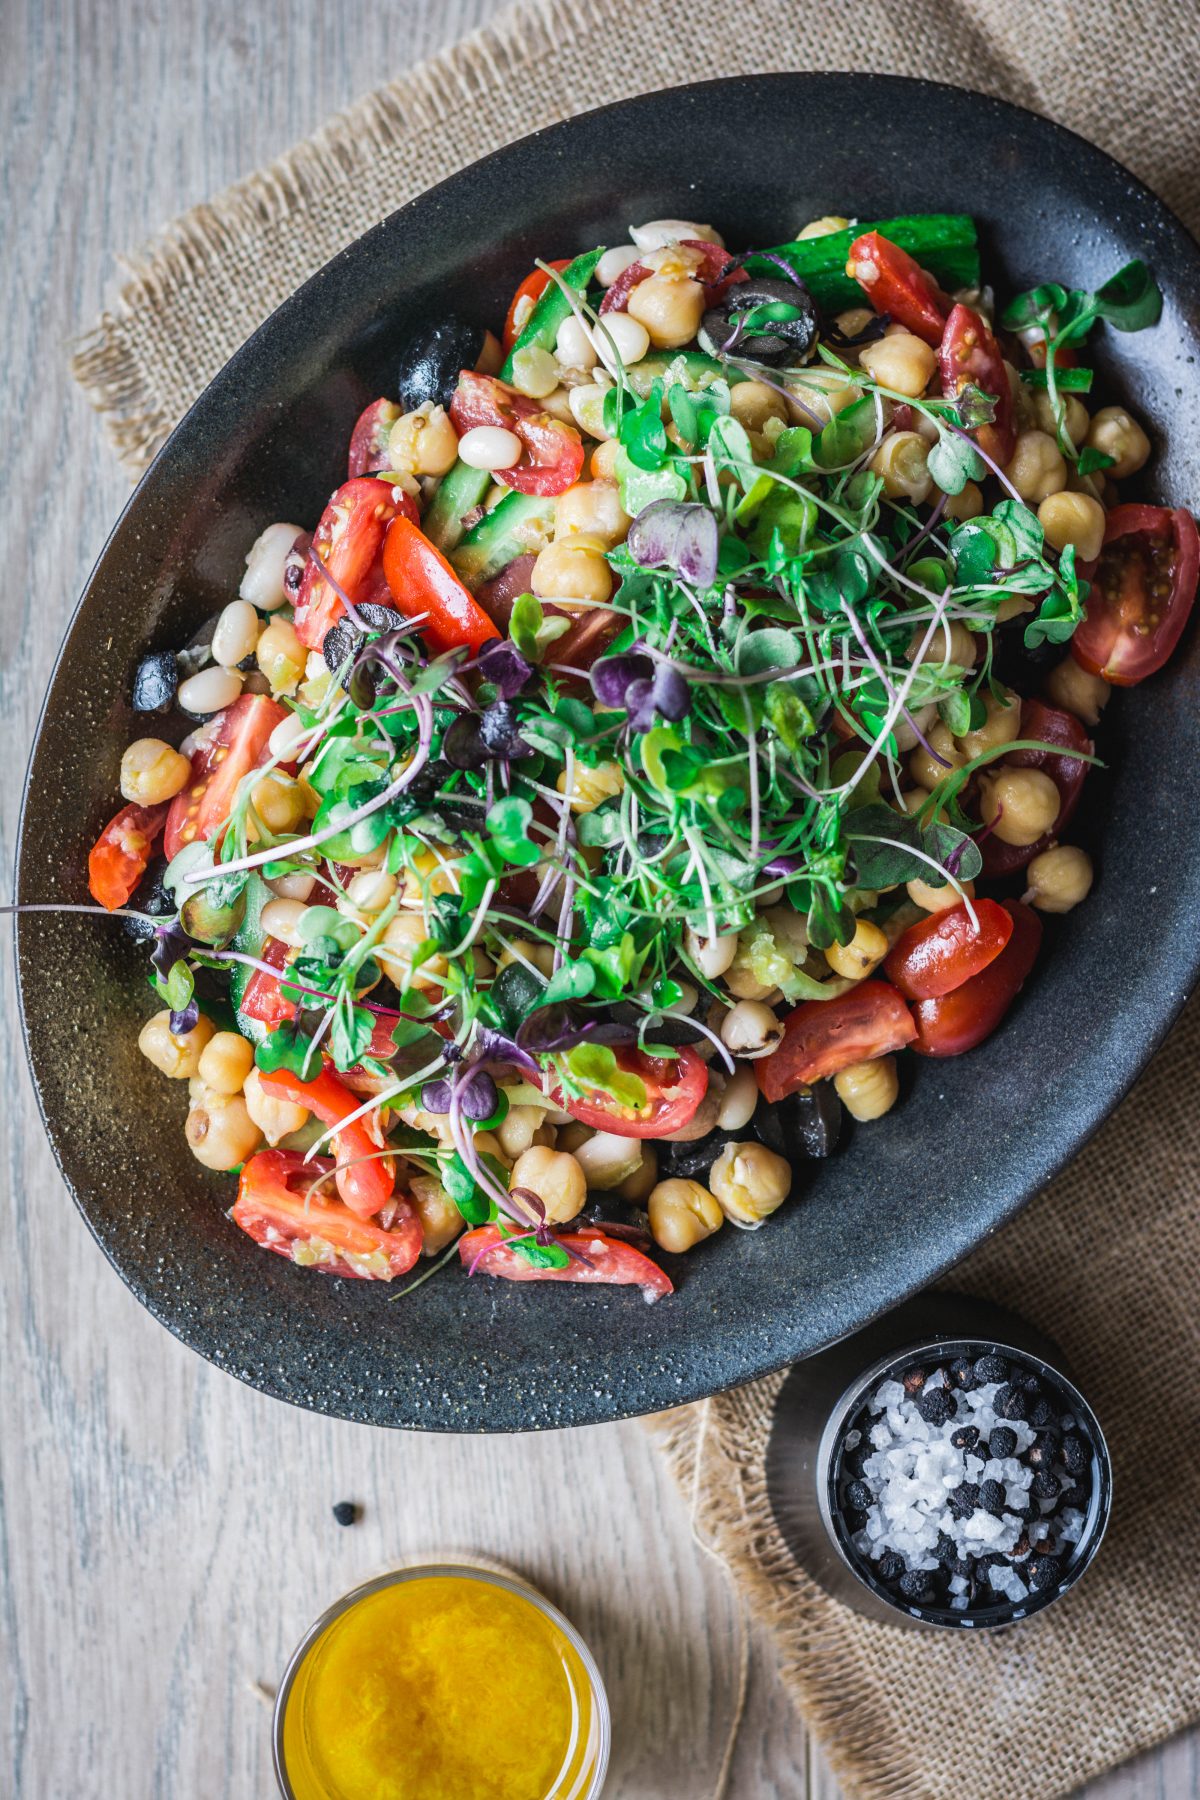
column 953, row 1023
column 484, row 1252
column 348, row 540
column 939, row 953
column 1048, row 725
column 531, row 289
column 421, row 582
column 320, row 1233
column 674, row 1090
column 970, row 356
column 262, row 999
column 365, row 1186
column 714, row 272
column 823, row 1036
column 236, row 744
column 900, row 287
column 1142, row 592
column 118, row 858
column 369, row 439
column 553, row 453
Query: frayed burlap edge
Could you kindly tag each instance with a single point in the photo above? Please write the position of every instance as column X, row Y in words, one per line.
column 104, row 360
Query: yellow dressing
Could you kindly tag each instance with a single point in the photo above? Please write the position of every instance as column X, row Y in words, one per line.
column 438, row 1688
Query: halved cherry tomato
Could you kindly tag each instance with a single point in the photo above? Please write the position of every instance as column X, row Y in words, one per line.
column 953, row 1023
column 674, row 1089
column 118, row 858
column 714, row 272
column 236, row 744
column 348, row 540
column 262, row 999
column 369, row 439
column 1048, row 725
column 937, row 954
column 531, row 289
column 421, row 582
column 823, row 1036
column 553, row 453
column 898, row 286
column 484, row 1252
column 1143, row 588
column 969, row 355
column 320, row 1232
column 365, row 1186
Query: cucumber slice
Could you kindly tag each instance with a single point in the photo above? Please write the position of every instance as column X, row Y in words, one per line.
column 552, row 307
column 461, row 490
column 692, row 367
column 518, row 526
column 944, row 243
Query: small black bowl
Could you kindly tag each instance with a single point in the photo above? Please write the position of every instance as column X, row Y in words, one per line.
column 267, row 440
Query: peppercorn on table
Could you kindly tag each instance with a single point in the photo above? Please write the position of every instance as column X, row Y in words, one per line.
column 171, row 1532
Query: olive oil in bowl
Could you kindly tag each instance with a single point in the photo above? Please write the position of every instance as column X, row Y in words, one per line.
column 440, row 1682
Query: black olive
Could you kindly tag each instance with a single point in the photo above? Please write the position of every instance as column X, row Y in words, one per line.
column 691, row 1162
column 433, row 358
column 787, row 340
column 498, row 729
column 1015, row 665
column 807, row 1123
column 345, row 639
column 155, row 682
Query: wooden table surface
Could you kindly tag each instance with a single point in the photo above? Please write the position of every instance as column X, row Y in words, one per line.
column 166, row 1533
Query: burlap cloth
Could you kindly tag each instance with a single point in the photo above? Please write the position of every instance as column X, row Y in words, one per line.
column 1108, row 1259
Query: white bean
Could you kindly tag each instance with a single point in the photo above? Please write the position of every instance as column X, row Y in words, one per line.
column 236, row 634
column 712, row 956
column 739, row 1100
column 292, row 887
column 657, row 232
column 210, row 690
column 614, row 262
column 287, row 737
column 630, row 336
column 574, row 347
column 262, row 584
column 489, row 447
column 750, row 1029
column 281, row 919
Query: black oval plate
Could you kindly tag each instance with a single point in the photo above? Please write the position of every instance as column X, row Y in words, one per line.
column 973, row 1139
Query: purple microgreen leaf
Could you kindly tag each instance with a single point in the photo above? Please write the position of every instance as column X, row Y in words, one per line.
column 502, row 664
column 676, row 535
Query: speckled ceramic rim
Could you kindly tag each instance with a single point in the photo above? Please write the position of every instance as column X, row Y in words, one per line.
column 512, row 1584
column 945, row 1350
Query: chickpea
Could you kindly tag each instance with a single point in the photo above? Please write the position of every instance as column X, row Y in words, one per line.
column 607, row 1159
column 423, row 442
column 739, row 1101
column 865, row 951
column 594, row 509
column 822, row 392
column 926, row 770
column 589, row 786
column 1059, row 878
column 1019, row 804
column 824, row 226
column 1037, row 468
column 750, row 1029
column 749, row 1182
column 1116, row 433
column 604, row 460
column 557, row 1180
column 712, row 956
column 682, row 1215
column 523, row 950
column 968, row 504
column 670, row 308
column 175, row 1055
column 868, row 1089
column 275, row 1118
column 1001, row 726
column 518, row 1129
column 900, row 361
column 1012, row 607
column 225, row 1062
column 433, row 872
column 394, row 952
column 281, row 656
column 937, row 899
column 951, row 643
column 1074, row 519
column 151, row 772
column 280, row 802
column 637, row 1188
column 1077, row 690
column 1075, row 415
column 752, row 403
column 906, row 733
column 221, row 1132
column 573, row 1134
column 573, row 569
column 440, row 1219
column 902, row 463
column 853, row 321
